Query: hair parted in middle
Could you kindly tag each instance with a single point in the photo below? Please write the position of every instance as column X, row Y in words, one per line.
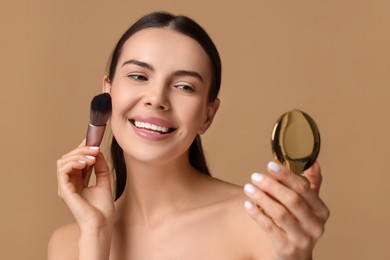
column 190, row 28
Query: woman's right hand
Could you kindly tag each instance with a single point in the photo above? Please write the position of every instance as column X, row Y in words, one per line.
column 92, row 207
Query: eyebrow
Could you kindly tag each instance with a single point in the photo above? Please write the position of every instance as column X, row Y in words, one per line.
column 139, row 63
column 189, row 73
column 151, row 68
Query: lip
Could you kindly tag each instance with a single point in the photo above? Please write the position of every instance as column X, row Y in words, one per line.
column 148, row 134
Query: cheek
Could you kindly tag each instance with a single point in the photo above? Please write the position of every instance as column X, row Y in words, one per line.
column 121, row 104
column 117, row 111
column 115, row 121
column 194, row 115
column 122, row 98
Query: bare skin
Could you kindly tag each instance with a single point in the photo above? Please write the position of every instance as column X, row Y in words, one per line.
column 211, row 228
column 169, row 210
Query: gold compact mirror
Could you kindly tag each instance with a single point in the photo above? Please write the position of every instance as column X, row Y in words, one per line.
column 296, row 141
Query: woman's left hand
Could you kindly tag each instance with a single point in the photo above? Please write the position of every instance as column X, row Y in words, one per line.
column 289, row 210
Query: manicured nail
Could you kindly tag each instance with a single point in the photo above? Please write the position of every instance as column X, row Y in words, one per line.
column 249, row 188
column 257, row 177
column 83, row 162
column 94, row 148
column 90, row 157
column 274, row 167
column 249, row 205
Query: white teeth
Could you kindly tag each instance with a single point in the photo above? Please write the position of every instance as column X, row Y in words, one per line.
column 151, row 126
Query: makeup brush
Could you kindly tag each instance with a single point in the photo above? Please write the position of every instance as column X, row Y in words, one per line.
column 99, row 113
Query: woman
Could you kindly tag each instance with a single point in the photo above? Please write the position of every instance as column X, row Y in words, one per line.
column 164, row 80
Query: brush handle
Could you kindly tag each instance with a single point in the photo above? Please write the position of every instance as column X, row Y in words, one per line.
column 94, row 138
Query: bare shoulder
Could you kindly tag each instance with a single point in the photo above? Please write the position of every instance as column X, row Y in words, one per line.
column 235, row 223
column 63, row 243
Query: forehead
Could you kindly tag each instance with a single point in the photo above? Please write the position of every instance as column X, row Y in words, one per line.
column 166, row 48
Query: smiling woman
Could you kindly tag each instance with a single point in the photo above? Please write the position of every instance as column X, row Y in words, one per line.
column 164, row 80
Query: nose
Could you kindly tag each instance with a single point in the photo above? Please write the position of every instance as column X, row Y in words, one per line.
column 157, row 98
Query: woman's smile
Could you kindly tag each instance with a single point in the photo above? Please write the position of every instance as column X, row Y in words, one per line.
column 151, row 127
column 162, row 98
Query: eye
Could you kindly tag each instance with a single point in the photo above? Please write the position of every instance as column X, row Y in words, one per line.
column 185, row 87
column 137, row 77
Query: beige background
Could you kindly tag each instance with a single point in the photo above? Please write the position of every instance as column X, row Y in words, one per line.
column 329, row 58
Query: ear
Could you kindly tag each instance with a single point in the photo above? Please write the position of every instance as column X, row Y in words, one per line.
column 211, row 111
column 106, row 85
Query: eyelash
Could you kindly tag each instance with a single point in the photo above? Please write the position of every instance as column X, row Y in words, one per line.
column 137, row 77
column 184, row 87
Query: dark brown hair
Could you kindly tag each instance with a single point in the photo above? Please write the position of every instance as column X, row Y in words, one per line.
column 189, row 28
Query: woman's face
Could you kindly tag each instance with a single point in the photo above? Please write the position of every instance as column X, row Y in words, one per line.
column 160, row 95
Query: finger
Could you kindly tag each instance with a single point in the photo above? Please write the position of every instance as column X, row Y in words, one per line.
column 275, row 210
column 85, row 150
column 83, row 142
column 297, row 192
column 282, row 240
column 80, row 158
column 300, row 199
column 102, row 172
column 313, row 174
column 286, row 207
column 265, row 222
column 68, row 177
column 69, row 174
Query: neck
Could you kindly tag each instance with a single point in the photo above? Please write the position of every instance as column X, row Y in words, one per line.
column 155, row 190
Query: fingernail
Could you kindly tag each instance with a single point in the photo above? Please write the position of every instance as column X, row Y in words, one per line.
column 257, row 177
column 249, row 188
column 83, row 162
column 249, row 205
column 90, row 157
column 94, row 148
column 274, row 167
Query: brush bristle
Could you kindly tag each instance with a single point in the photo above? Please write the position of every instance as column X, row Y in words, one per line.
column 100, row 109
